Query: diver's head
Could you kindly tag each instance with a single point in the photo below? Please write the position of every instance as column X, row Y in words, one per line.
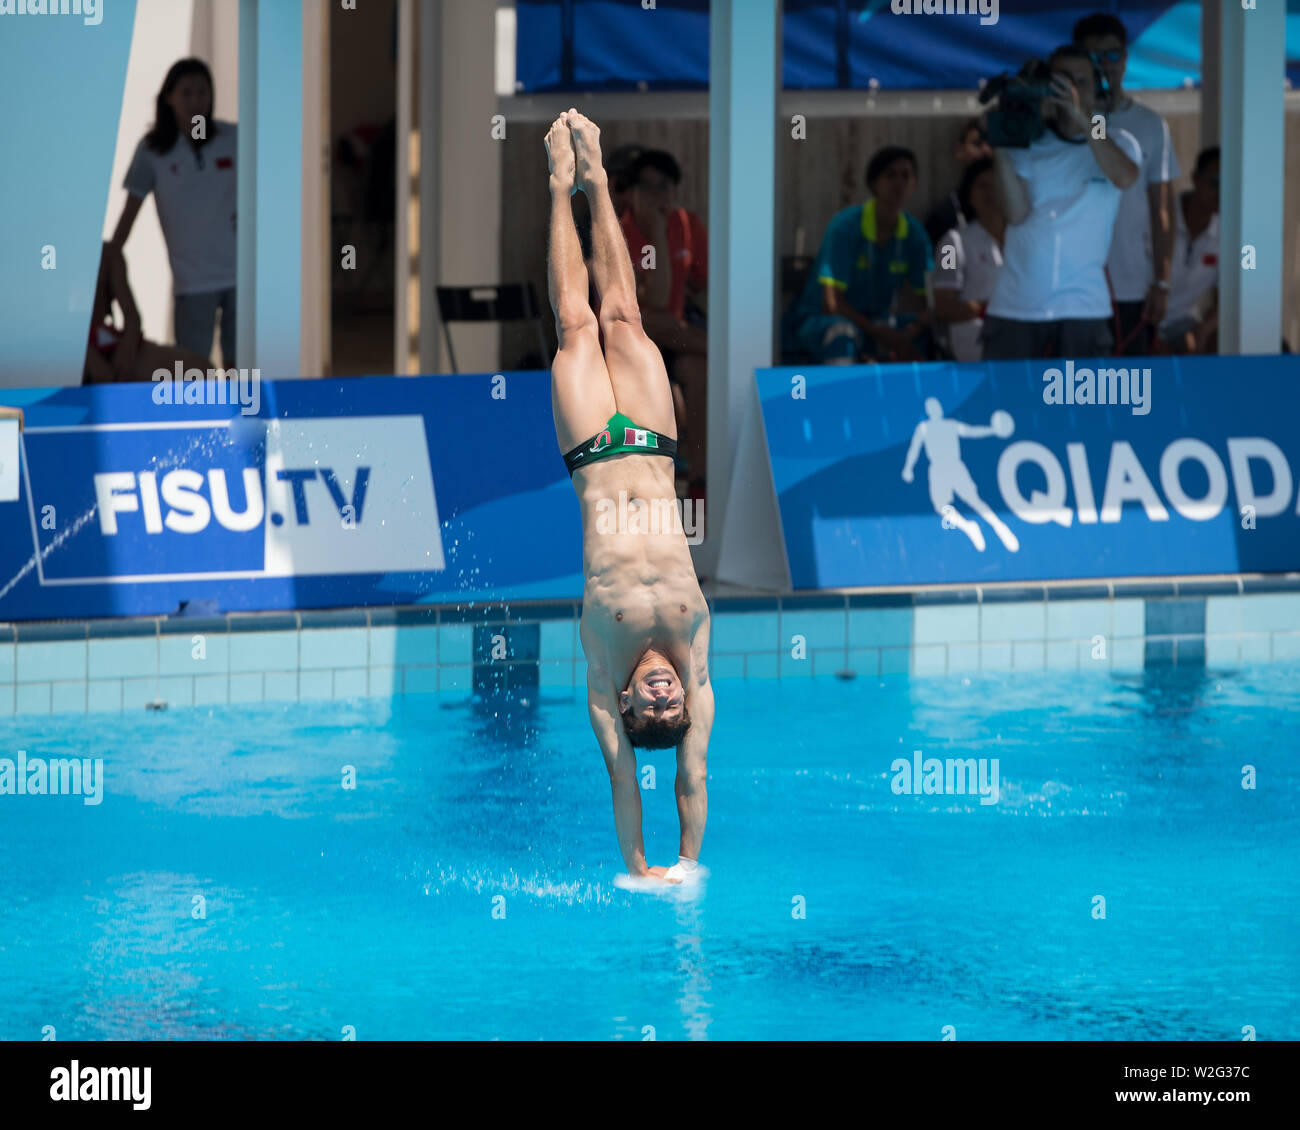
column 654, row 705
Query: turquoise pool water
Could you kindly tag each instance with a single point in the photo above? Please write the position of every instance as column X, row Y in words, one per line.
column 372, row 909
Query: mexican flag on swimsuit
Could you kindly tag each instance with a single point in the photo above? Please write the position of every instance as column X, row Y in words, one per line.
column 619, row 436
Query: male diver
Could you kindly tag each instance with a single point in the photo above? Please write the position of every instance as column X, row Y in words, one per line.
column 645, row 623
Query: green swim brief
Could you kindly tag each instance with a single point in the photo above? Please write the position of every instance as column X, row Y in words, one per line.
column 621, row 435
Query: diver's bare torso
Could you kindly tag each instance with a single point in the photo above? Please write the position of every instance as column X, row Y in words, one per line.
column 641, row 588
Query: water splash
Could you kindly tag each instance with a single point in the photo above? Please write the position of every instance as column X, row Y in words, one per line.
column 577, row 892
column 55, row 542
column 166, row 463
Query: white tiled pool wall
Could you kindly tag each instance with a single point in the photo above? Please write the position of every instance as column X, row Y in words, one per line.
column 98, row 666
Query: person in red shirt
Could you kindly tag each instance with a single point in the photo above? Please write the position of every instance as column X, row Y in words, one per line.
column 669, row 248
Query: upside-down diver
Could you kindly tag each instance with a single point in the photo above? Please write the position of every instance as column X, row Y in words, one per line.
column 645, row 623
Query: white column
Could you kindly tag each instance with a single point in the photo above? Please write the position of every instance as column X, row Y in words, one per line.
column 467, row 192
column 214, row 38
column 270, row 188
column 1252, row 61
column 744, row 87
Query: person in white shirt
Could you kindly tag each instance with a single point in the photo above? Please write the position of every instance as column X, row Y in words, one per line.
column 1060, row 196
column 1192, row 324
column 1138, row 264
column 188, row 162
column 947, row 214
column 968, row 260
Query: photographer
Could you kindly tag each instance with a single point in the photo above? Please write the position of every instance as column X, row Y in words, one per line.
column 1139, row 261
column 1060, row 195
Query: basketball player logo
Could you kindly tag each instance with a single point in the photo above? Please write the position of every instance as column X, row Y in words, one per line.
column 941, row 438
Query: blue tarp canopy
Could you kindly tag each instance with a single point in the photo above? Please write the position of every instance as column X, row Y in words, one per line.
column 849, row 44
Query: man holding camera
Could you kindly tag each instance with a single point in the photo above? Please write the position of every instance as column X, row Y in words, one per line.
column 1060, row 195
column 1139, row 264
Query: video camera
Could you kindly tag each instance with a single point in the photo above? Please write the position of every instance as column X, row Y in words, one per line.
column 1017, row 121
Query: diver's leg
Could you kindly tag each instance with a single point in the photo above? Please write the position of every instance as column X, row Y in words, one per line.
column 582, row 397
column 636, row 368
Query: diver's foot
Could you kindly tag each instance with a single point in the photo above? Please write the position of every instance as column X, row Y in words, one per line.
column 586, row 150
column 560, row 160
column 684, row 870
column 662, row 873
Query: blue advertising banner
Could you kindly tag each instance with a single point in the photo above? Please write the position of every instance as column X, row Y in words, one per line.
column 1018, row 471
column 369, row 491
column 855, row 44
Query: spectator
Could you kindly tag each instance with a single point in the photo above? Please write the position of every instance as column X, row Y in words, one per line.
column 122, row 354
column 1060, row 196
column 620, row 165
column 188, row 162
column 865, row 296
column 968, row 260
column 670, row 255
column 972, row 144
column 1192, row 323
column 1140, row 251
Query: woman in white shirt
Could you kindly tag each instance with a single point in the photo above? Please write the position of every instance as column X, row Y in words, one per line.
column 967, row 261
column 187, row 160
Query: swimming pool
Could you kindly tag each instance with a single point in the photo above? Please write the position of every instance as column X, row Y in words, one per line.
column 372, row 909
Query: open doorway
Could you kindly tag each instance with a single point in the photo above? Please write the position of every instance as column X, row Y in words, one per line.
column 363, row 170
